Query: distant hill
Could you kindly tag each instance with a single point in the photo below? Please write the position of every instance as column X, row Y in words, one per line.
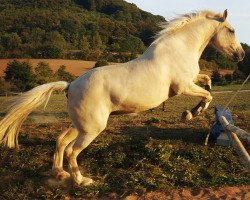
column 81, row 29
column 84, row 29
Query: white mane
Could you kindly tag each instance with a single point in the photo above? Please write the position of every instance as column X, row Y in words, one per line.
column 172, row 26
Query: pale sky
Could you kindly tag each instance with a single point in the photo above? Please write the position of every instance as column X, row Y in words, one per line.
column 238, row 11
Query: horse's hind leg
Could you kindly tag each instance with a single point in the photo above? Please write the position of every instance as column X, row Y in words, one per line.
column 88, row 130
column 62, row 141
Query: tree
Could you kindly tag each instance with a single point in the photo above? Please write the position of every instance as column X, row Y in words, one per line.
column 84, row 47
column 228, row 78
column 101, row 62
column 10, row 41
column 132, row 44
column 63, row 75
column 44, row 73
column 244, row 66
column 238, row 75
column 216, row 77
column 97, row 41
column 20, row 74
column 47, row 52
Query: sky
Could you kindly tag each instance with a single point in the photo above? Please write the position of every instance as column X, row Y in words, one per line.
column 238, row 11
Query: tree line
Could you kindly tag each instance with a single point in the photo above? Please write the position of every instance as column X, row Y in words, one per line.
column 22, row 76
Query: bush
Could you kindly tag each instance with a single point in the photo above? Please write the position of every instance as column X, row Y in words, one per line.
column 63, row 75
column 216, row 77
column 101, row 62
column 21, row 75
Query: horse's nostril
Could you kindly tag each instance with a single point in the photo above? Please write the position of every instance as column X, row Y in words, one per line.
column 235, row 57
column 243, row 54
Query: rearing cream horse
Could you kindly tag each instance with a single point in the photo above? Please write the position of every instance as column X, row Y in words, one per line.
column 169, row 67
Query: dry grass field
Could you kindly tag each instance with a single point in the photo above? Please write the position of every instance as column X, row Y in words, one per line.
column 76, row 67
column 151, row 155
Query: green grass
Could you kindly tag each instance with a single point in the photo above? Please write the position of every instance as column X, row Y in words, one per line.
column 233, row 87
column 153, row 151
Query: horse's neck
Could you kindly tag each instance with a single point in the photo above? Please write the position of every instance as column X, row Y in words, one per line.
column 193, row 38
column 205, row 31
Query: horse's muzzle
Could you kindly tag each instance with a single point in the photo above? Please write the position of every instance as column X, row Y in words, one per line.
column 238, row 56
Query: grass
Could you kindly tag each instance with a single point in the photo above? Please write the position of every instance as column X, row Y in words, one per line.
column 231, row 87
column 153, row 151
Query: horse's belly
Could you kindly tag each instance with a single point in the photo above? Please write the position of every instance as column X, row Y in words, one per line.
column 137, row 105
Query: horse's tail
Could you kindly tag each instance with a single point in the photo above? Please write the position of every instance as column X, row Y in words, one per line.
column 18, row 112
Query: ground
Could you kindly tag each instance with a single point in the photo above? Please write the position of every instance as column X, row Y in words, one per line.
column 153, row 155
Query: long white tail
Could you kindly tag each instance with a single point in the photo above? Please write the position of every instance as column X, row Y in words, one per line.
column 11, row 123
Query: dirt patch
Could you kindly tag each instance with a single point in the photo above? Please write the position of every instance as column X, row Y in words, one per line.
column 242, row 192
column 76, row 67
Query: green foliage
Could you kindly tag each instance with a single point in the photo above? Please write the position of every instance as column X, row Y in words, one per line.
column 216, row 77
column 20, row 74
column 47, row 52
column 69, row 29
column 211, row 54
column 44, row 73
column 84, row 46
column 101, row 62
column 63, row 75
column 238, row 75
column 132, row 44
column 10, row 41
column 244, row 66
column 85, row 29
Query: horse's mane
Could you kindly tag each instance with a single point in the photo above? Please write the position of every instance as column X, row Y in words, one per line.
column 172, row 26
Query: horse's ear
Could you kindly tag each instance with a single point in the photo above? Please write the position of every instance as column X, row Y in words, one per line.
column 224, row 15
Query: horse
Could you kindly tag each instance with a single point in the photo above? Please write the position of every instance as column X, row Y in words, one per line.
column 167, row 68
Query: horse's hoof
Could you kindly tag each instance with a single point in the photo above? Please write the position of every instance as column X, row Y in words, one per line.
column 61, row 175
column 87, row 181
column 186, row 116
column 84, row 181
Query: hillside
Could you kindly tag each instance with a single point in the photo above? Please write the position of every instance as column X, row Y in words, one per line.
column 81, row 29
column 85, row 30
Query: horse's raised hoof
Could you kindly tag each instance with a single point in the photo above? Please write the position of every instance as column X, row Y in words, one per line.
column 186, row 116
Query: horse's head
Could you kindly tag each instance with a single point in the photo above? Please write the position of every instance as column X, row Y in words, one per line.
column 225, row 39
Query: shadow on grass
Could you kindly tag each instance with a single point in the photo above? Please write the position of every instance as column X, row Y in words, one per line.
column 187, row 135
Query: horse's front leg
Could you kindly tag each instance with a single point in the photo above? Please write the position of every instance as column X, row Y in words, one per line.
column 205, row 80
column 195, row 90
